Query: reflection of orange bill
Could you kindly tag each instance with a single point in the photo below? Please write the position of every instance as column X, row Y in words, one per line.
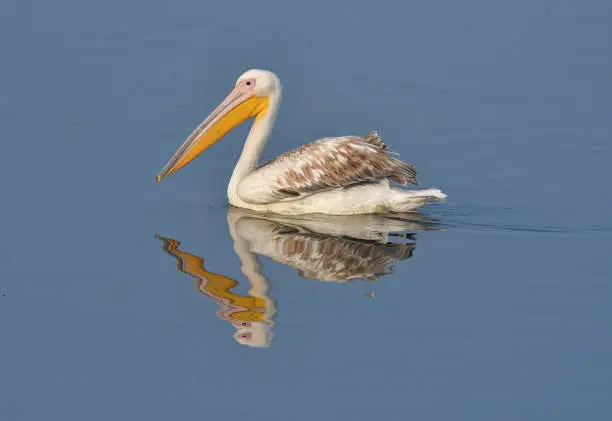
column 218, row 287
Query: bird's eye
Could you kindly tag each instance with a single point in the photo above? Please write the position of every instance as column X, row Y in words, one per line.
column 248, row 83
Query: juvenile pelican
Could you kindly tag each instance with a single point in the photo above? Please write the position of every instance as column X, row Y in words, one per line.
column 336, row 175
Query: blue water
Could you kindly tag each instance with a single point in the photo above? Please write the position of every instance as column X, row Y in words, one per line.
column 498, row 310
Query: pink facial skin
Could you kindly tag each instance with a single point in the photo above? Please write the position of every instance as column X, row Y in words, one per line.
column 246, row 86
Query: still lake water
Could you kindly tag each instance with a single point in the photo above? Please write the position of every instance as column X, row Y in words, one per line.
column 499, row 304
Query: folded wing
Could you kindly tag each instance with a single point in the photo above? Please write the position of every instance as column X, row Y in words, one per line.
column 322, row 165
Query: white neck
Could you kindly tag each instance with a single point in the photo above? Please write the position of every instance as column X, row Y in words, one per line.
column 253, row 146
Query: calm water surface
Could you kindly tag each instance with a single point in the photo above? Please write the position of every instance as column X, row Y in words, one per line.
column 494, row 306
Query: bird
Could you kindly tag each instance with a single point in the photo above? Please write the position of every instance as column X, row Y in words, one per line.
column 346, row 175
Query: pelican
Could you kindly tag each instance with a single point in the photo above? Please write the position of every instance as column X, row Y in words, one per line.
column 346, row 175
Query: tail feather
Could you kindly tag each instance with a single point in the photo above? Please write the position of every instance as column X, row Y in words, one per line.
column 410, row 200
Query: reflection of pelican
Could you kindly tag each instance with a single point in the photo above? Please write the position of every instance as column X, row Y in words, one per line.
column 340, row 175
column 327, row 248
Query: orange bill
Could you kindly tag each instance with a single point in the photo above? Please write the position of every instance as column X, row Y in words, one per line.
column 233, row 111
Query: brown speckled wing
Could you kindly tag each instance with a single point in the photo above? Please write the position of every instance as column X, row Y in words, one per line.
column 326, row 164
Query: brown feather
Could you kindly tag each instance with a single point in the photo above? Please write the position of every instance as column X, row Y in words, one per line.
column 326, row 164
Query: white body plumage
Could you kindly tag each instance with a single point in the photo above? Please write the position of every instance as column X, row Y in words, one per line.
column 342, row 175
